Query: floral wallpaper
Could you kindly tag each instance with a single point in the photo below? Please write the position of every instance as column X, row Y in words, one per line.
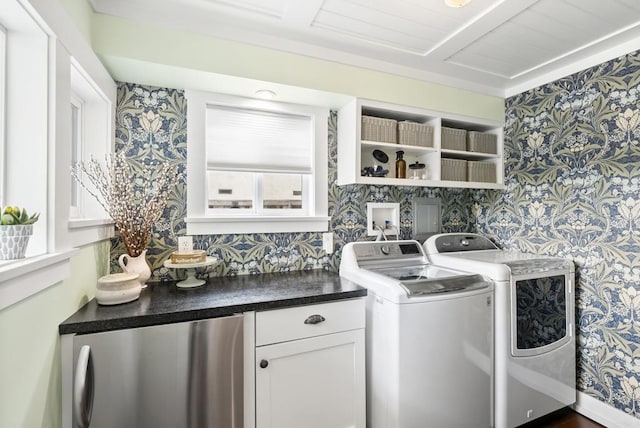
column 572, row 168
column 572, row 174
column 151, row 127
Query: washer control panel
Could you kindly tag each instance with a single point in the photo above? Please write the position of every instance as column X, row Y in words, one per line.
column 387, row 250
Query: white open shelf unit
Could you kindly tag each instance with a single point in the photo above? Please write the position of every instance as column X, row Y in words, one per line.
column 355, row 154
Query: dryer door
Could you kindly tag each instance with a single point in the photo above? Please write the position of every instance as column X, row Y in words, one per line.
column 540, row 313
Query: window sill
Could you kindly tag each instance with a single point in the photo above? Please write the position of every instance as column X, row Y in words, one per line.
column 81, row 223
column 263, row 224
column 24, row 278
column 83, row 231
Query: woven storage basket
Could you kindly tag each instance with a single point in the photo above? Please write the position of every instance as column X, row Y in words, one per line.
column 481, row 142
column 379, row 129
column 415, row 134
column 453, row 169
column 484, row 172
column 454, row 139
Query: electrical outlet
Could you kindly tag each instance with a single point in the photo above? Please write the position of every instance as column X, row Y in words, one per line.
column 185, row 243
column 327, row 242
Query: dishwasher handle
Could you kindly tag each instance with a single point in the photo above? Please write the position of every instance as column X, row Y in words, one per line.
column 83, row 388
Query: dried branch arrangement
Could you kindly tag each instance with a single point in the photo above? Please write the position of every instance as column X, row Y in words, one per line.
column 134, row 201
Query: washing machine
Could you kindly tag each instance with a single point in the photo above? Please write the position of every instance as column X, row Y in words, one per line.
column 428, row 338
column 534, row 356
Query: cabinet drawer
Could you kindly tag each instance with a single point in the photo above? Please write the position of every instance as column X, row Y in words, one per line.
column 281, row 325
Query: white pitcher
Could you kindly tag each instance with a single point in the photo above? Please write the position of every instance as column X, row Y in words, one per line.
column 136, row 265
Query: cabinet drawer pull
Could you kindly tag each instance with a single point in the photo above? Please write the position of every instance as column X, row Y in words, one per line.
column 314, row 319
column 264, row 364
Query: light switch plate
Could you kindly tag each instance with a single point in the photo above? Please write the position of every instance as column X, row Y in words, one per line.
column 327, row 242
column 185, row 243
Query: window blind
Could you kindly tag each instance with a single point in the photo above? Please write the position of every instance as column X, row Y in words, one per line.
column 256, row 140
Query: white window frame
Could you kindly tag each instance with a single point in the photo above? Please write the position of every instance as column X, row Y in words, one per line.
column 199, row 221
column 75, row 210
column 3, row 102
column 28, row 119
column 40, row 41
column 32, row 54
column 88, row 222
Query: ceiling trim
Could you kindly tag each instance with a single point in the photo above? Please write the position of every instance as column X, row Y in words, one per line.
column 458, row 59
column 574, row 66
column 577, row 50
column 483, row 23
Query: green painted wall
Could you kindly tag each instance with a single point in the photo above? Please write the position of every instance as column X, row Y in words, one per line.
column 81, row 13
column 127, row 47
column 30, row 366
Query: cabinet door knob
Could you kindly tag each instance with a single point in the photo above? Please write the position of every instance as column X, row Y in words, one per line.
column 314, row 319
column 264, row 364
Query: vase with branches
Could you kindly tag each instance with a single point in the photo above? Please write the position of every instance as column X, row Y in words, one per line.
column 135, row 202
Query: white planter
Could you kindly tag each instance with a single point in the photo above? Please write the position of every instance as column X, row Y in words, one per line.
column 14, row 240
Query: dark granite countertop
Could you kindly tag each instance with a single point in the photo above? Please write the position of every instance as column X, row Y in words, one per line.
column 164, row 303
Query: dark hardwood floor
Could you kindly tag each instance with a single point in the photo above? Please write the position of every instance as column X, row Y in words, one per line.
column 564, row 418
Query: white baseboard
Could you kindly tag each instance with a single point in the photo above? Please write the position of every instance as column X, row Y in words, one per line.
column 604, row 413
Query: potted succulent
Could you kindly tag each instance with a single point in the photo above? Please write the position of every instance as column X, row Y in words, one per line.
column 16, row 226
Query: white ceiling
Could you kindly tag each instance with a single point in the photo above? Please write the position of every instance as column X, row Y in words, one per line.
column 497, row 47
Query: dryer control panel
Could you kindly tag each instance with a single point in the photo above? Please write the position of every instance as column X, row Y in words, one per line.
column 454, row 242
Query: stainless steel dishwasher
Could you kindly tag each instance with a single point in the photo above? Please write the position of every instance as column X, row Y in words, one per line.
column 173, row 375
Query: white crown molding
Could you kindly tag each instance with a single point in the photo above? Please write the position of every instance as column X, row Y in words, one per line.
column 575, row 66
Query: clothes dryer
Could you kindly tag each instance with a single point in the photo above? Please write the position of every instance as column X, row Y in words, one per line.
column 534, row 357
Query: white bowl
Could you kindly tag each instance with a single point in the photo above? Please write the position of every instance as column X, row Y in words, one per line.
column 118, row 288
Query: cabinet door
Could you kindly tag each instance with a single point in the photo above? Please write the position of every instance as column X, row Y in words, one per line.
column 317, row 382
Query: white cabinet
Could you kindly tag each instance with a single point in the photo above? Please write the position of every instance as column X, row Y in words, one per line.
column 355, row 153
column 310, row 366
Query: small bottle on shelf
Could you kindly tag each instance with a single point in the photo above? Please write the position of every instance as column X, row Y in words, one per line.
column 401, row 165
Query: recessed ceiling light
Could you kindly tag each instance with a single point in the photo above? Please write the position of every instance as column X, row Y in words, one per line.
column 456, row 3
column 265, row 94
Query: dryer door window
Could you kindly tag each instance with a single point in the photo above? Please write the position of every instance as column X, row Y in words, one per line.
column 539, row 314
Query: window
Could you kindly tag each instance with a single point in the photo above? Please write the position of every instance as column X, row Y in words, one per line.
column 77, row 138
column 90, row 137
column 26, row 120
column 3, row 102
column 284, row 191
column 255, row 166
column 258, row 162
column 262, row 193
column 36, row 66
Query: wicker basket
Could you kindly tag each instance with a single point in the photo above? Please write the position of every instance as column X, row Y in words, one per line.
column 454, row 139
column 379, row 129
column 415, row 134
column 484, row 172
column 453, row 169
column 481, row 142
